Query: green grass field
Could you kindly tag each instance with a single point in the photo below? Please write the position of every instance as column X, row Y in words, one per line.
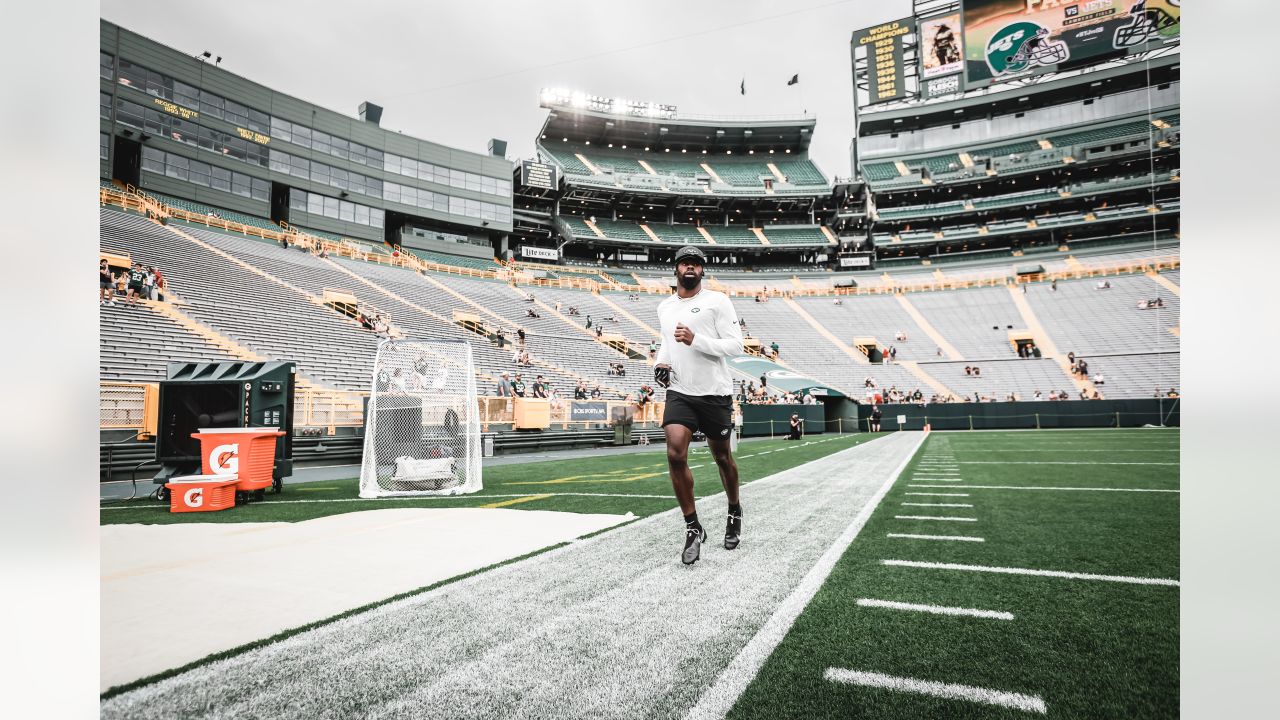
column 1087, row 648
column 617, row 484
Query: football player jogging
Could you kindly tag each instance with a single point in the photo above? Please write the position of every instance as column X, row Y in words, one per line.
column 700, row 332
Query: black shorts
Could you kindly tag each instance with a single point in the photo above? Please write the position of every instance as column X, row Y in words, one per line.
column 712, row 414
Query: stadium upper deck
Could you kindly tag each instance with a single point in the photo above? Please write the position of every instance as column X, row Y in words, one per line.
column 972, row 148
column 180, row 126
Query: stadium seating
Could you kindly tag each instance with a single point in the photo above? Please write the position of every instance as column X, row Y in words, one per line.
column 283, row 319
column 801, row 172
column 678, row 233
column 137, row 343
column 741, row 173
column 566, row 159
column 975, row 321
column 1137, row 375
column 783, row 235
column 623, row 230
column 1001, row 377
column 202, row 209
column 454, row 260
column 733, row 235
column 1093, row 135
column 1086, row 320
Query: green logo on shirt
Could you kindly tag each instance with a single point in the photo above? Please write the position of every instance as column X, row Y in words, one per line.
column 695, row 310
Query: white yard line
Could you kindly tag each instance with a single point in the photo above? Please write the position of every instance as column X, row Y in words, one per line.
column 939, row 494
column 936, row 609
column 962, row 538
column 728, row 687
column 1019, row 487
column 934, row 517
column 916, row 504
column 1056, row 462
column 951, row 691
column 1037, row 573
column 938, row 479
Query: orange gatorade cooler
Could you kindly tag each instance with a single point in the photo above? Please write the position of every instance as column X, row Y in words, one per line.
column 249, row 453
column 202, row 493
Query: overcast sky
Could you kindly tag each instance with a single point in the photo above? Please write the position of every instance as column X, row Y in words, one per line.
column 460, row 73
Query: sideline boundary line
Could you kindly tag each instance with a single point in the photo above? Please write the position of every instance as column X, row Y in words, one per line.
column 935, row 609
column 720, row 698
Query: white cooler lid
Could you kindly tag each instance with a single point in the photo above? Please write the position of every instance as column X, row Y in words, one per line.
column 204, row 478
column 232, row 431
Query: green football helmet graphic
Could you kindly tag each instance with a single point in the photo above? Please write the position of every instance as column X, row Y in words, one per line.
column 1021, row 45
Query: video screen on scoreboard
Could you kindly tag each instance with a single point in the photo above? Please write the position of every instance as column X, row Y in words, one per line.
column 1004, row 39
column 941, row 46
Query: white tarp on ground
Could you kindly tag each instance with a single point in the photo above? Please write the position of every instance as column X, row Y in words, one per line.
column 172, row 594
column 612, row 626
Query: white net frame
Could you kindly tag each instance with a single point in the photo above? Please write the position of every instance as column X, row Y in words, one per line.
column 422, row 425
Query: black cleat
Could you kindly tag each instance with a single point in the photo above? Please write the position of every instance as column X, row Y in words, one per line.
column 694, row 536
column 733, row 530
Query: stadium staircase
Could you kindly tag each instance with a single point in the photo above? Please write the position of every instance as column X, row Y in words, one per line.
column 1042, row 339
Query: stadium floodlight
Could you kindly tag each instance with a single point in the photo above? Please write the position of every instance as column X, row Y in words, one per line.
column 619, row 105
column 578, row 99
column 422, row 425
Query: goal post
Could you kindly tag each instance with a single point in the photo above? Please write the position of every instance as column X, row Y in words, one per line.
column 422, row 424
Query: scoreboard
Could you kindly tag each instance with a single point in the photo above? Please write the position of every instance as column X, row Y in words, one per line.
column 886, row 73
column 539, row 175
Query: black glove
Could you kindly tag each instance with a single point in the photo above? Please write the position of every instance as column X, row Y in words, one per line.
column 662, row 376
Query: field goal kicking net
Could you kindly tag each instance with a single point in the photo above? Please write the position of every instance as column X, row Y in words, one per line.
column 422, row 425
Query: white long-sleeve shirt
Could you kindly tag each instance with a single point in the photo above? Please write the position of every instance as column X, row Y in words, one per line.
column 701, row 368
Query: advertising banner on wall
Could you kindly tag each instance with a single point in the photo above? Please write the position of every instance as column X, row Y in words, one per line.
column 579, row 410
column 1004, row 39
column 538, row 253
column 941, row 46
column 940, row 87
column 886, row 71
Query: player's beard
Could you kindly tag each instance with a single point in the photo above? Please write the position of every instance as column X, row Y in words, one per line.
column 689, row 283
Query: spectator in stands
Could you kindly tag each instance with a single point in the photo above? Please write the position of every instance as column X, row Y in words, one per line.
column 595, row 392
column 837, row 301
column 588, row 322
column 158, row 294
column 893, row 353
column 573, row 310
column 105, row 282
column 1053, row 285
column 900, row 336
column 149, row 284
column 1098, row 378
column 939, row 352
column 876, row 414
column 1173, row 393
column 504, row 385
column 500, row 338
column 539, row 388
column 774, row 347
column 653, row 351
column 580, row 390
column 517, row 386
column 528, row 297
column 520, row 336
column 1038, row 396
column 136, row 277
column 868, row 381
column 530, row 312
column 764, row 382
column 1084, row 394
column 1104, row 285
column 968, row 371
column 977, row 371
column 557, row 306
column 525, row 360
column 1071, row 357
column 557, row 401
column 1096, row 396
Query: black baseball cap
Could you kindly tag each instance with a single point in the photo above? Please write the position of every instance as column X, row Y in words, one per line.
column 689, row 251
